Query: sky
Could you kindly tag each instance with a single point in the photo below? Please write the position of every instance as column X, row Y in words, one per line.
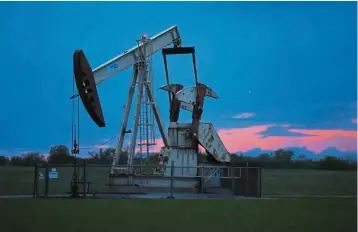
column 285, row 72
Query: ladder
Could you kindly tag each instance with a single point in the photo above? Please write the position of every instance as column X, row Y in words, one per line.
column 146, row 121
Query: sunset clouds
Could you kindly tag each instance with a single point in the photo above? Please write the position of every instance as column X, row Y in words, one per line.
column 268, row 137
column 244, row 139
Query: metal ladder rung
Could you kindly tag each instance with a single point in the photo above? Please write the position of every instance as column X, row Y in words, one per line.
column 145, row 144
column 146, row 124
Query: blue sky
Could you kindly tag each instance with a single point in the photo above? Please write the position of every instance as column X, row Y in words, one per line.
column 292, row 65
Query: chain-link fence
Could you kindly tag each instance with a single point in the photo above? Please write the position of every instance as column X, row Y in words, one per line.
column 50, row 180
column 59, row 180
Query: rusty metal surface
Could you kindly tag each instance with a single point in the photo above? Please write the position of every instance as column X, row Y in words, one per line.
column 175, row 105
column 210, row 140
column 87, row 88
column 188, row 95
column 180, row 137
column 198, row 108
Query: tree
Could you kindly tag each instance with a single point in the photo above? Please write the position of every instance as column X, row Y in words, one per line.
column 333, row 163
column 302, row 157
column 17, row 161
column 105, row 156
column 59, row 150
column 32, row 158
column 264, row 157
column 283, row 155
column 60, row 155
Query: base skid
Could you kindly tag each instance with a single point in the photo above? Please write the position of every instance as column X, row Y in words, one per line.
column 135, row 189
column 154, row 181
column 158, row 184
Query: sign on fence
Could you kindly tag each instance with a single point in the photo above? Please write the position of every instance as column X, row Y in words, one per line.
column 51, row 175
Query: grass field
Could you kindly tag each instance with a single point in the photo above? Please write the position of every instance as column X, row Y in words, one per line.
column 19, row 180
column 56, row 215
column 305, row 214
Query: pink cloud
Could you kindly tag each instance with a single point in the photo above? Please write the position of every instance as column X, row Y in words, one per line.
column 244, row 115
column 354, row 120
column 244, row 139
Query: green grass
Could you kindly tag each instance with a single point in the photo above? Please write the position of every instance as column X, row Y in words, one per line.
column 19, row 180
column 37, row 215
column 309, row 182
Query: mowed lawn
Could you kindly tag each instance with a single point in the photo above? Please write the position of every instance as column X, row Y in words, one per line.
column 36, row 215
column 309, row 182
column 19, row 180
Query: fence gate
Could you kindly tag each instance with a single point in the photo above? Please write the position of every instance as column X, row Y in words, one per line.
column 40, row 181
column 55, row 180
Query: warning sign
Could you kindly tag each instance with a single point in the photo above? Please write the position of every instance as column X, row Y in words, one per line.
column 41, row 176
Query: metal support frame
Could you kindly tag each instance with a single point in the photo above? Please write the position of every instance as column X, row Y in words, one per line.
column 139, row 73
column 124, row 123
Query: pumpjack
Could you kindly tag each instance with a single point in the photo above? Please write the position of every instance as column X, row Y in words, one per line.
column 181, row 143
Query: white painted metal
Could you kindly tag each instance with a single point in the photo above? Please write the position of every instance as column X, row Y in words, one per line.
column 186, row 161
column 146, row 124
column 124, row 120
column 179, row 136
column 181, row 149
column 188, row 95
column 186, row 106
column 210, row 140
column 172, row 88
column 129, row 57
column 141, row 75
column 138, row 57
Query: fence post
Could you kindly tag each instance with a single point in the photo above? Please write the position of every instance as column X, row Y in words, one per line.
column 84, row 178
column 172, row 179
column 232, row 179
column 202, row 180
column 36, row 178
column 46, row 180
column 260, row 182
column 247, row 180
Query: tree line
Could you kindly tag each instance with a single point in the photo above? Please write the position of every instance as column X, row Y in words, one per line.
column 279, row 159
